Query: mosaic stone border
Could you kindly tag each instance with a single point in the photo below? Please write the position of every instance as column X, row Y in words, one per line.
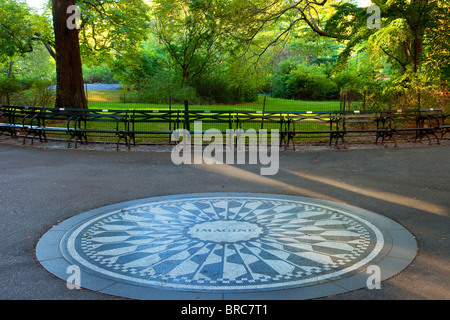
column 397, row 251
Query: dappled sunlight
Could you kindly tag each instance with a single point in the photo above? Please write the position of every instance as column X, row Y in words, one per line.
column 103, row 96
column 234, row 172
column 385, row 196
column 98, row 99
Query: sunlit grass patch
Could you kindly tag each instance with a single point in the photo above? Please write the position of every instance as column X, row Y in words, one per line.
column 112, row 100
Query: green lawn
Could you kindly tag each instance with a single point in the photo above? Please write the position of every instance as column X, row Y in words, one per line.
column 111, row 100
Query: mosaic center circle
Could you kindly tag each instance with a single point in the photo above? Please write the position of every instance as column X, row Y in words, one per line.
column 224, row 243
column 225, row 231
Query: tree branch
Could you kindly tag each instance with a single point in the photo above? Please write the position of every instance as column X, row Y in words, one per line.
column 393, row 57
column 46, row 45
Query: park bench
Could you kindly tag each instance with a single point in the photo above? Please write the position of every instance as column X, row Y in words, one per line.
column 387, row 124
column 436, row 120
column 78, row 123
column 444, row 127
column 7, row 120
column 82, row 123
column 429, row 122
column 210, row 118
column 359, row 122
column 162, row 122
column 419, row 122
column 219, row 121
column 260, row 119
column 22, row 118
column 311, row 123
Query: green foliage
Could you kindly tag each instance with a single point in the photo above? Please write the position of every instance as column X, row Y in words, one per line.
column 20, row 29
column 411, row 49
column 37, row 64
column 223, row 89
column 8, row 86
column 110, row 27
column 185, row 94
column 26, row 91
column 145, row 73
column 228, row 51
column 38, row 95
column 191, row 34
column 137, row 68
column 16, row 28
column 98, row 74
column 437, row 45
column 303, row 82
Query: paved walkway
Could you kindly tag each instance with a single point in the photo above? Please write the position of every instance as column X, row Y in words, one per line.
column 41, row 187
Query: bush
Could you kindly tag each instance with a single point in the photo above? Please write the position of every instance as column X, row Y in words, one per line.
column 26, row 91
column 152, row 89
column 98, row 74
column 138, row 70
column 163, row 87
column 186, row 94
column 221, row 90
column 303, row 82
column 39, row 94
column 8, row 86
column 348, row 80
column 158, row 90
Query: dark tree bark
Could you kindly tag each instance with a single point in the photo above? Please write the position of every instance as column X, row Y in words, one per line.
column 69, row 74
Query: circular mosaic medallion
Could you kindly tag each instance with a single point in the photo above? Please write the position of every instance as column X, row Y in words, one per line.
column 225, row 243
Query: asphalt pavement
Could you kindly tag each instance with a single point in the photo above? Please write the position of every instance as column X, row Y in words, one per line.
column 41, row 186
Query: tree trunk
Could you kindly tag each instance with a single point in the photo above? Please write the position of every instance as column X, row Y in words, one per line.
column 416, row 52
column 69, row 74
column 11, row 63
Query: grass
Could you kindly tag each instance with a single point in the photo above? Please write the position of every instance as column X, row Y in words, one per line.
column 111, row 100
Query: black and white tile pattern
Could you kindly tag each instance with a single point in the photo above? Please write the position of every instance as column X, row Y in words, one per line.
column 224, row 243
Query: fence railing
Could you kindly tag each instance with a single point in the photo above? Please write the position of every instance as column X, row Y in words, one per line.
column 131, row 127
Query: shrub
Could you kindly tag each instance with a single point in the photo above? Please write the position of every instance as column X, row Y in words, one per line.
column 186, row 94
column 98, row 74
column 303, row 82
column 8, row 86
column 26, row 91
column 220, row 89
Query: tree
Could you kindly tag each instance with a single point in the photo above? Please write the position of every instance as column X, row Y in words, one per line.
column 20, row 29
column 16, row 29
column 110, row 28
column 402, row 38
column 437, row 44
column 109, row 22
column 69, row 72
column 248, row 20
column 192, row 34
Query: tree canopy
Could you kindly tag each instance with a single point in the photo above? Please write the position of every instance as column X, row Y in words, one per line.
column 214, row 49
column 20, row 27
